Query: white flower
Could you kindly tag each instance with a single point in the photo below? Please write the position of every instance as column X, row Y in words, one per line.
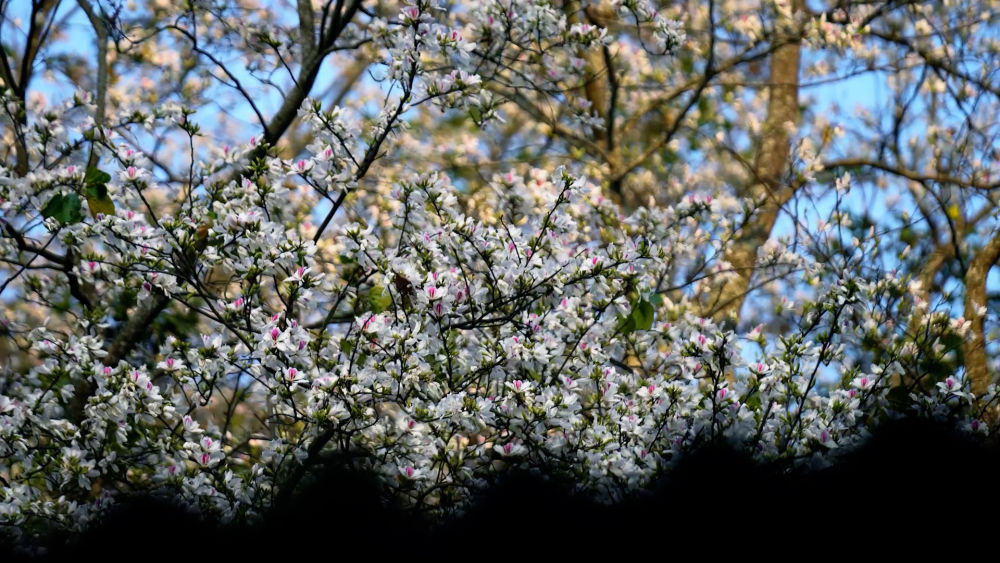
column 292, row 376
column 170, row 364
column 510, row 449
column 132, row 173
column 207, row 452
column 191, row 425
column 298, row 275
column 301, row 166
column 412, row 473
column 518, row 386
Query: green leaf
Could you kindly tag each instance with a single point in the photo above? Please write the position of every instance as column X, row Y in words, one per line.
column 96, row 192
column 639, row 318
column 705, row 111
column 687, row 64
column 643, row 315
column 906, row 236
column 98, row 200
column 95, row 176
column 63, row 208
column 379, row 299
column 627, row 324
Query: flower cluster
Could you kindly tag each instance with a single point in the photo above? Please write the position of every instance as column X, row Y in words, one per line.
column 388, row 288
column 442, row 349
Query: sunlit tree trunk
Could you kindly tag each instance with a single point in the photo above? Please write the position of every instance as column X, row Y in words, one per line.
column 767, row 190
column 974, row 347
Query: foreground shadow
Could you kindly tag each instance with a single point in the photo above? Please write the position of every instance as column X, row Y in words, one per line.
column 911, row 475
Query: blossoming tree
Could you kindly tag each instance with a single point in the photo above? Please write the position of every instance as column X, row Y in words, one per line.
column 447, row 238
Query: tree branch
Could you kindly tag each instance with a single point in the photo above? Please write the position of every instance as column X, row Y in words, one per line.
column 974, row 349
column 726, row 300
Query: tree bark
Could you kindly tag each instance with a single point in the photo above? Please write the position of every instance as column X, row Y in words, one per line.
column 974, row 348
column 726, row 298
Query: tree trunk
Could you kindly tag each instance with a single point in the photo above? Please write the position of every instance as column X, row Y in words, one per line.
column 726, row 298
column 974, row 348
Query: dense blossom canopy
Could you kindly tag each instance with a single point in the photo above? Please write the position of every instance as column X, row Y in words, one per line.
column 512, row 234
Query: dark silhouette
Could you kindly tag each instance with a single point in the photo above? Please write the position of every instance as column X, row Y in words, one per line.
column 917, row 475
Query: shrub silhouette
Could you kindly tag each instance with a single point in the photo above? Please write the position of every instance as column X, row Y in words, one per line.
column 910, row 473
